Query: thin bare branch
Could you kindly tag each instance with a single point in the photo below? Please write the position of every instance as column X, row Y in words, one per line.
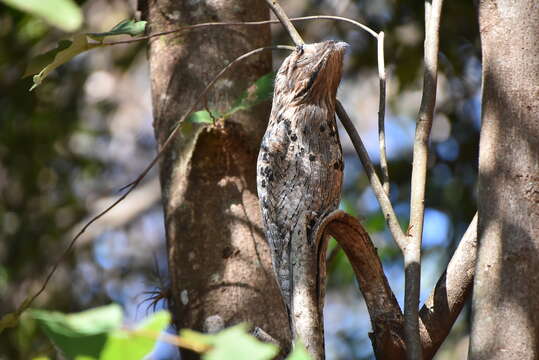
column 383, row 199
column 11, row 319
column 412, row 255
column 382, row 113
column 285, row 20
column 249, row 23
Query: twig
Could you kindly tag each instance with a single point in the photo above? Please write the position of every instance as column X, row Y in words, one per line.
column 383, row 200
column 285, row 20
column 249, row 23
column 412, row 255
column 12, row 318
column 173, row 340
column 382, row 113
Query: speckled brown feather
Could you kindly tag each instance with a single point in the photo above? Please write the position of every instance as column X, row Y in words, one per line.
column 299, row 172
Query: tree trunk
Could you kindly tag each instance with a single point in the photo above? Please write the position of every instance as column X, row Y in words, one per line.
column 505, row 305
column 219, row 261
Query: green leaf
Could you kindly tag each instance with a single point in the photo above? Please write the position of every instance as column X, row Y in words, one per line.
column 203, row 117
column 65, row 51
column 260, row 91
column 82, row 335
column 232, row 343
column 39, row 62
column 125, row 27
column 64, row 14
column 299, row 352
column 98, row 333
column 135, row 344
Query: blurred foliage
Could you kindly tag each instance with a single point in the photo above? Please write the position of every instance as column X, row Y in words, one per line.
column 64, row 14
column 99, row 334
column 56, row 158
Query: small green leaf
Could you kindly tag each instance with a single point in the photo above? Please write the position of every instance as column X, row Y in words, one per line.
column 299, row 352
column 80, row 335
column 232, row 343
column 203, row 117
column 65, row 51
column 98, row 333
column 125, row 27
column 64, row 14
column 135, row 344
column 260, row 91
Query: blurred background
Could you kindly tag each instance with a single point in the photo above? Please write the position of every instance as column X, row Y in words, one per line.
column 68, row 147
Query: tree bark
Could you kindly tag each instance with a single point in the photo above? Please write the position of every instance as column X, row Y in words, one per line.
column 219, row 263
column 505, row 305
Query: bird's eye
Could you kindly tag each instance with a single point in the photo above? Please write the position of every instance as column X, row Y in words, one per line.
column 299, row 49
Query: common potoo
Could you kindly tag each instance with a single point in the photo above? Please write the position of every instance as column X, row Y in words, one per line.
column 300, row 170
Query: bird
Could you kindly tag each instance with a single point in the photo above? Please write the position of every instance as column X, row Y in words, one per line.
column 299, row 177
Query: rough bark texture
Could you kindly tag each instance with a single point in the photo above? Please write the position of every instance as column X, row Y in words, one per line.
column 299, row 178
column 505, row 306
column 219, row 262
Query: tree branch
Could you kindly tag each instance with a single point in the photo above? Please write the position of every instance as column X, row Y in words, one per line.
column 412, row 254
column 442, row 307
column 382, row 113
column 444, row 304
column 384, row 311
column 383, row 200
column 246, row 23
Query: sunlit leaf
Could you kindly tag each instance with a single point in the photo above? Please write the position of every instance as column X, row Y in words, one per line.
column 65, row 51
column 125, row 27
column 82, row 334
column 98, row 333
column 232, row 343
column 203, row 117
column 135, row 344
column 64, row 14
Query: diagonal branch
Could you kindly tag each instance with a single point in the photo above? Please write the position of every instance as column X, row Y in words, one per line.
column 383, row 199
column 444, row 304
column 442, row 307
column 384, row 311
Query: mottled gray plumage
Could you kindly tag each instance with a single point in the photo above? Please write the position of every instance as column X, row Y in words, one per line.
column 300, row 165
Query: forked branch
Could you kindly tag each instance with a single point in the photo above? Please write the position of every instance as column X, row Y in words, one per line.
column 412, row 255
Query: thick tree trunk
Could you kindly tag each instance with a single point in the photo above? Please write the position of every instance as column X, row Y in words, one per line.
column 505, row 318
column 218, row 258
